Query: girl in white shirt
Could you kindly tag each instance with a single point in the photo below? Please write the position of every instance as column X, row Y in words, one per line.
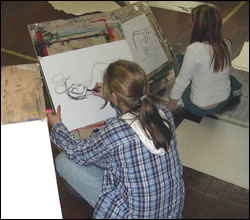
column 204, row 82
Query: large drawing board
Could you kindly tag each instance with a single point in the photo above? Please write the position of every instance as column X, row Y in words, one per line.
column 63, row 35
column 60, row 36
column 83, row 33
column 69, row 74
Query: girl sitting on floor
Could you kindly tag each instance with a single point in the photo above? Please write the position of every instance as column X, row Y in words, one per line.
column 131, row 167
column 203, row 78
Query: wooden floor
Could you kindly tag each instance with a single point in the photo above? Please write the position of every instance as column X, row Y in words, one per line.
column 206, row 196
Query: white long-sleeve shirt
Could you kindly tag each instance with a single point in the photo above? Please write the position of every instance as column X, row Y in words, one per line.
column 208, row 87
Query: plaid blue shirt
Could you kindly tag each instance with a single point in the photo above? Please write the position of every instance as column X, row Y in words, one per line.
column 136, row 183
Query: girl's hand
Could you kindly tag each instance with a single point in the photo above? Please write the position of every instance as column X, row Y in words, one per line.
column 98, row 90
column 53, row 119
column 171, row 104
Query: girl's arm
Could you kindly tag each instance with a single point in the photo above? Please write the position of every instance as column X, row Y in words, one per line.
column 183, row 79
column 92, row 150
column 171, row 104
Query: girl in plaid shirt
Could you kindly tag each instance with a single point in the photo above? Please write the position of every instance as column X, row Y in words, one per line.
column 130, row 168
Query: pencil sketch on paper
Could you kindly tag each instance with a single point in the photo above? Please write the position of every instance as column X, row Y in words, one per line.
column 74, row 90
column 97, row 72
column 144, row 44
column 79, row 90
column 144, row 40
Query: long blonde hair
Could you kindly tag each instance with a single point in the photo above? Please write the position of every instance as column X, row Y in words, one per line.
column 129, row 82
column 207, row 25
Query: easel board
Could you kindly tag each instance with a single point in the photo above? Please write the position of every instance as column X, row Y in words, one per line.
column 79, row 70
column 144, row 46
column 62, row 35
column 55, row 38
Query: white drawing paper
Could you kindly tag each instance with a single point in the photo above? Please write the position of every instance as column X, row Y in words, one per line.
column 144, row 44
column 28, row 178
column 241, row 62
column 70, row 74
column 180, row 6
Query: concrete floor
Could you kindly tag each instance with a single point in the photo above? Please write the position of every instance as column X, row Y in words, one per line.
column 206, row 197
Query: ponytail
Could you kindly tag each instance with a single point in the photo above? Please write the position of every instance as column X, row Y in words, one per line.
column 129, row 82
column 156, row 128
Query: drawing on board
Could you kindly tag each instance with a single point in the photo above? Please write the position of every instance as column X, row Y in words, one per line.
column 79, row 90
column 97, row 72
column 65, row 85
column 70, row 75
column 145, row 41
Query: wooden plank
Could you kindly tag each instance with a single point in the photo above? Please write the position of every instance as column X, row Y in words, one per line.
column 22, row 96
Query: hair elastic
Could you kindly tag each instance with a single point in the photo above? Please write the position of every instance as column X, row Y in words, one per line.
column 143, row 97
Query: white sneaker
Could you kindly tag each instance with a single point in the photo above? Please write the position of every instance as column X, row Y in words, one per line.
column 237, row 93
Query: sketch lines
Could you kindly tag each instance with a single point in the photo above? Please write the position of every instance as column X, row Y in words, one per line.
column 144, row 40
column 79, row 90
column 74, row 90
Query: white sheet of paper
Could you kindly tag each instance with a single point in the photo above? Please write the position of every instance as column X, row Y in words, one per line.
column 241, row 62
column 180, row 6
column 215, row 147
column 74, row 71
column 144, row 44
column 28, row 180
column 82, row 7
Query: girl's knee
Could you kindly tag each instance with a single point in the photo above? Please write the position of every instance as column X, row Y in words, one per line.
column 61, row 162
column 60, row 157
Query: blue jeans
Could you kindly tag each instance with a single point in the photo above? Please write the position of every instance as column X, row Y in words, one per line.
column 194, row 109
column 85, row 180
